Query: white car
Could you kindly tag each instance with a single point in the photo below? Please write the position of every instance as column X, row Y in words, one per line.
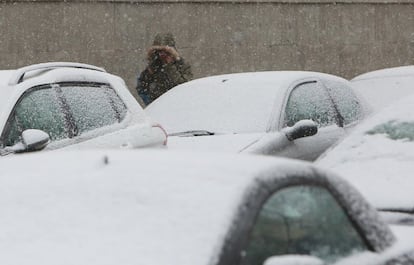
column 76, row 105
column 378, row 159
column 113, row 207
column 260, row 112
column 382, row 87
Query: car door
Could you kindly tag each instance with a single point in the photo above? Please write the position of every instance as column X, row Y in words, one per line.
column 310, row 100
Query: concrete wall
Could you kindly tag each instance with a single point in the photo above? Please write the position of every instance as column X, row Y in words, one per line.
column 345, row 37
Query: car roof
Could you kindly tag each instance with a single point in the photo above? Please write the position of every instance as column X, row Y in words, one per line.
column 382, row 87
column 129, row 207
column 54, row 75
column 380, row 167
column 241, row 101
column 386, row 73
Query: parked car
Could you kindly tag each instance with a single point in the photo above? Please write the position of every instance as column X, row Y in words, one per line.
column 159, row 207
column 378, row 159
column 73, row 104
column 382, row 87
column 261, row 112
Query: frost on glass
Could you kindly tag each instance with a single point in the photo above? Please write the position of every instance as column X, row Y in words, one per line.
column 38, row 109
column 93, row 107
column 345, row 100
column 395, row 130
column 309, row 101
column 303, row 220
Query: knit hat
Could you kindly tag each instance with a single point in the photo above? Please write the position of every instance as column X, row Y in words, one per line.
column 164, row 39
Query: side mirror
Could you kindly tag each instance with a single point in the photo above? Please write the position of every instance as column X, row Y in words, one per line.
column 34, row 140
column 301, row 129
column 31, row 140
column 293, row 259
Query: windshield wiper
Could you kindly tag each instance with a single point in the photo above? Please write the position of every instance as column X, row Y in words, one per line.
column 397, row 210
column 192, row 133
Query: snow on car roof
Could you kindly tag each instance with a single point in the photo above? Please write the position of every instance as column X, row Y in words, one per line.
column 121, row 207
column 378, row 157
column 386, row 72
column 10, row 93
column 240, row 102
column 382, row 87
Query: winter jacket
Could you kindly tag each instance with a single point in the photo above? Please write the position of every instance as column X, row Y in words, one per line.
column 155, row 81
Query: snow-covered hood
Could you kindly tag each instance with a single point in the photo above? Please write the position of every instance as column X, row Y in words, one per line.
column 231, row 143
column 385, row 180
column 378, row 157
column 106, row 208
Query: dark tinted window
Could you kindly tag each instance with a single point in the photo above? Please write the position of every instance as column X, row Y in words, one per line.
column 302, row 220
column 310, row 101
column 93, row 106
column 38, row 109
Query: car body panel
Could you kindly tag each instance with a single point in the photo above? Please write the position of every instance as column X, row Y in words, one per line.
column 111, row 135
column 241, row 103
column 382, row 87
column 125, row 207
column 378, row 165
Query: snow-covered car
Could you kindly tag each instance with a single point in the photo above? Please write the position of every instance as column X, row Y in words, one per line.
column 75, row 105
column 259, row 112
column 378, row 159
column 382, row 87
column 160, row 207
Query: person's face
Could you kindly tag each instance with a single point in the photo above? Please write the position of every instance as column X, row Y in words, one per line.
column 165, row 56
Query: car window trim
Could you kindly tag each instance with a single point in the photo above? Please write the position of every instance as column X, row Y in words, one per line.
column 69, row 119
column 245, row 219
column 340, row 121
column 292, row 87
column 112, row 102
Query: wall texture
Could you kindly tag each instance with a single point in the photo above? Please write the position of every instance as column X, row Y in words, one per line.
column 345, row 37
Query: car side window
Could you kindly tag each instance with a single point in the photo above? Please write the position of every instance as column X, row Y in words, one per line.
column 346, row 101
column 93, row 106
column 311, row 101
column 37, row 109
column 303, row 220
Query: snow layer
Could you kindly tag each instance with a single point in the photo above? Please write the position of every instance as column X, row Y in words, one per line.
column 379, row 166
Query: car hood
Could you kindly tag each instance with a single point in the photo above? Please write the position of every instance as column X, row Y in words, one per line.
column 132, row 136
column 383, row 181
column 381, row 170
column 106, row 207
column 232, row 143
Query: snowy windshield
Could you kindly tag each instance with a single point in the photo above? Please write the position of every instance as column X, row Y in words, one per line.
column 217, row 105
column 395, row 130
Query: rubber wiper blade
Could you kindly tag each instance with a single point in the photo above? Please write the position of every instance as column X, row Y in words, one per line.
column 192, row 133
column 397, row 210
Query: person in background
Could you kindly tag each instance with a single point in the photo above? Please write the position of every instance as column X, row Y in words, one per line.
column 165, row 69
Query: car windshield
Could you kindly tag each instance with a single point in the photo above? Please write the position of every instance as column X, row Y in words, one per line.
column 395, row 130
column 219, row 106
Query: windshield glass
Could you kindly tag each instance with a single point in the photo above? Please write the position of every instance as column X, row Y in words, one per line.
column 217, row 105
column 395, row 130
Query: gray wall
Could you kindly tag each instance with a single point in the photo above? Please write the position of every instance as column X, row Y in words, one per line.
column 345, row 37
